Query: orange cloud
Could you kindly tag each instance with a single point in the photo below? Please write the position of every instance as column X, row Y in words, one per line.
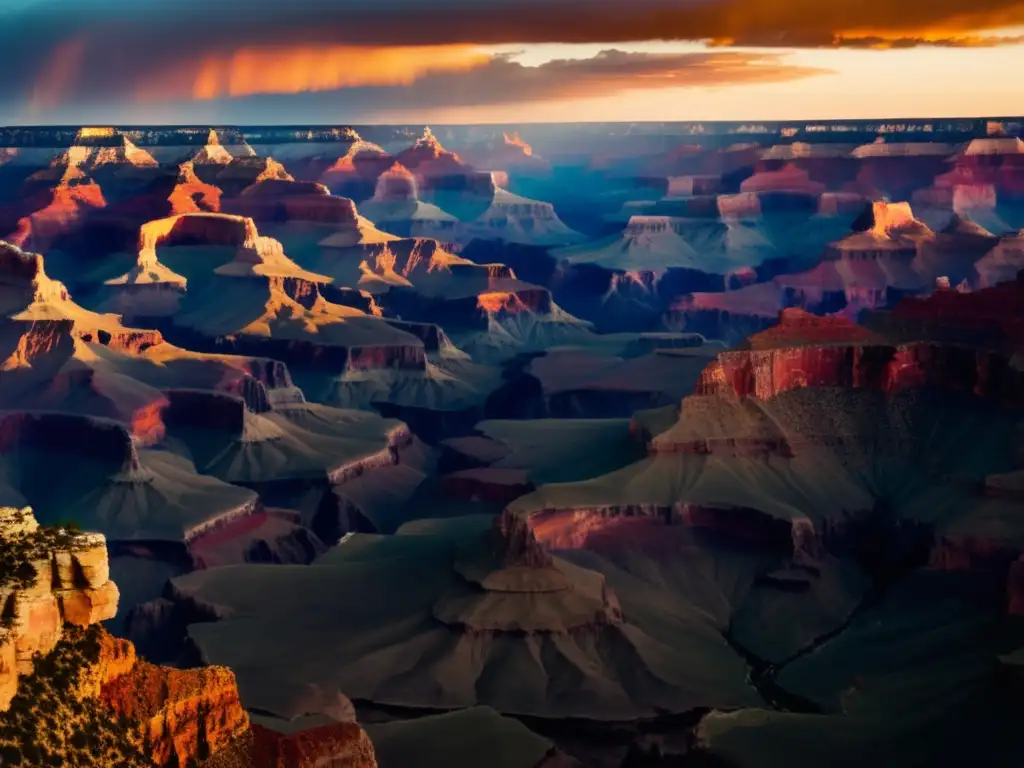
column 855, row 23
column 299, row 69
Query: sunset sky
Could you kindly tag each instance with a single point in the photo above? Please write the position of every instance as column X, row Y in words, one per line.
column 448, row 61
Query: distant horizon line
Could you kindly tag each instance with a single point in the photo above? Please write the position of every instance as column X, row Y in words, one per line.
column 355, row 125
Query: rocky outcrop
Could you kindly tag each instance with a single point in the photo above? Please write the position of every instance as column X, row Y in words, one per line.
column 355, row 173
column 883, row 230
column 131, row 713
column 41, row 315
column 992, row 318
column 508, row 153
column 212, row 153
column 808, row 351
column 197, row 229
column 518, row 219
column 245, row 171
column 183, row 715
column 281, row 201
column 50, row 576
column 428, row 158
column 344, row 745
column 98, row 147
column 191, row 195
column 395, row 185
column 58, row 212
column 55, row 589
column 787, row 178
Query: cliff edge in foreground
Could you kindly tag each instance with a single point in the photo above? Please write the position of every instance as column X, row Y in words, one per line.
column 71, row 694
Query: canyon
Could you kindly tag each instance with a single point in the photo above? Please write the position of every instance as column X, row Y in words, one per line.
column 533, row 446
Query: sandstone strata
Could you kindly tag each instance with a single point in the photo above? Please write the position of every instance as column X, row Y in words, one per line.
column 50, row 577
column 808, row 351
column 344, row 745
column 183, row 715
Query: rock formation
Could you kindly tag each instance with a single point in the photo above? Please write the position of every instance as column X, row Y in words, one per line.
column 507, row 153
column 284, row 200
column 516, row 219
column 55, row 211
column 396, row 208
column 243, row 172
column 426, row 157
column 96, row 148
column 344, row 744
column 37, row 313
column 51, row 576
column 109, row 704
column 355, row 173
column 788, row 178
column 212, row 153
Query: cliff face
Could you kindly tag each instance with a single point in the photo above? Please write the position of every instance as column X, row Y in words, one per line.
column 283, row 201
column 99, row 704
column 805, row 351
column 343, row 745
column 182, row 714
column 105, row 707
column 197, row 229
column 49, row 577
column 56, row 213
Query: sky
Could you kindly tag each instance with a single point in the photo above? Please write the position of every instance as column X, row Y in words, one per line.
column 506, row 61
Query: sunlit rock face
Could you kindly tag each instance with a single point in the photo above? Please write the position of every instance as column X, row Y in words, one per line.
column 97, row 147
column 200, row 228
column 38, row 313
column 65, row 578
column 53, row 206
column 354, row 174
column 426, row 157
column 212, row 153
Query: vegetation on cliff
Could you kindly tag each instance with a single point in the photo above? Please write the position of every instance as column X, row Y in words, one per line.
column 23, row 545
column 50, row 724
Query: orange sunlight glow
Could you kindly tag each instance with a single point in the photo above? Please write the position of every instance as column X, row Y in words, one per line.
column 294, row 70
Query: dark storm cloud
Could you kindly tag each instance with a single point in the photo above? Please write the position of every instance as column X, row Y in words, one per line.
column 191, row 25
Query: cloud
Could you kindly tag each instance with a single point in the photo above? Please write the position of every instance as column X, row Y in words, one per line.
column 226, row 25
column 498, row 80
column 505, row 81
column 63, row 52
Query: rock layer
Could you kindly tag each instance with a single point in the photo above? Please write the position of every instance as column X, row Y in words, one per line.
column 50, row 577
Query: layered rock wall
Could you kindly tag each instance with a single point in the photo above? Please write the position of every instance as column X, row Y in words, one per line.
column 197, row 229
column 50, row 577
column 183, row 715
column 344, row 745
